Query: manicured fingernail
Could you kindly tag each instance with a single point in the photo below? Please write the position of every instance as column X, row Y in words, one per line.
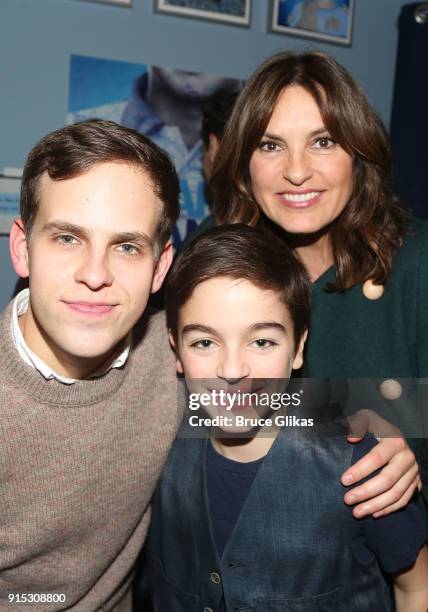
column 351, row 499
column 348, row 479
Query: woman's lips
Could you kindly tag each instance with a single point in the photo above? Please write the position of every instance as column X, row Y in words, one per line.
column 302, row 199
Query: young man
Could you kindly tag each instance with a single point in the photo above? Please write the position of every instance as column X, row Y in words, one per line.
column 87, row 387
column 257, row 522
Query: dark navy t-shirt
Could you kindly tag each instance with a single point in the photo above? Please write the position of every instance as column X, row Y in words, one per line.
column 394, row 539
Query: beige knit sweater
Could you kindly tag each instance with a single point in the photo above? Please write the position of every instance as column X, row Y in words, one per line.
column 78, row 465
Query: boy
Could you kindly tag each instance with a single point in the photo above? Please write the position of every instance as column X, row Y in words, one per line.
column 258, row 523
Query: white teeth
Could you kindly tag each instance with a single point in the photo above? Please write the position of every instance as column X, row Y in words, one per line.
column 300, row 197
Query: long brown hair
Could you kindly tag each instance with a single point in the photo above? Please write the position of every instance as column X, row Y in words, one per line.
column 370, row 229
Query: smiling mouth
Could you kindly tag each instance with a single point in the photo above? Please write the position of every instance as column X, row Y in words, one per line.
column 91, row 308
column 300, row 200
column 251, row 385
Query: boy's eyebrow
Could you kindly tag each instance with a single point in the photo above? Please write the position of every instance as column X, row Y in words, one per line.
column 71, row 228
column 192, row 327
column 268, row 325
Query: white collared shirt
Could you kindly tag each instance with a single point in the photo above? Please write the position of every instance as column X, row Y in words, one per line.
column 20, row 306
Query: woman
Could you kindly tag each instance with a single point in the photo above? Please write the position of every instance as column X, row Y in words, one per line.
column 304, row 152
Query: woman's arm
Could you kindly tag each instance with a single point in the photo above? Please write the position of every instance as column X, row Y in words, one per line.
column 394, row 486
column 411, row 586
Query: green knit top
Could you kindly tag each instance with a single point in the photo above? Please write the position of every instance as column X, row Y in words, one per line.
column 352, row 336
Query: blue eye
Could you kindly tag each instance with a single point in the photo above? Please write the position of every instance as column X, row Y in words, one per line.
column 66, row 239
column 128, row 249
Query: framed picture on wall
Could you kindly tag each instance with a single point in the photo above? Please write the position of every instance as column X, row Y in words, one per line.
column 117, row 2
column 327, row 20
column 235, row 12
column 9, row 202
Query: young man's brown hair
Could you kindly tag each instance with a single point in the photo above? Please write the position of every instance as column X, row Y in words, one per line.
column 75, row 149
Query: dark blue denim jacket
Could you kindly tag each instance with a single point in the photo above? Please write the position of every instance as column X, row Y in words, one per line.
column 290, row 551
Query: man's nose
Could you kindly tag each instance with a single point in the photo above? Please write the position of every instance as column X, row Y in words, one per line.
column 94, row 270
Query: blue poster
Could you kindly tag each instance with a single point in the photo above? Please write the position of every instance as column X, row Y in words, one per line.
column 9, row 202
column 165, row 104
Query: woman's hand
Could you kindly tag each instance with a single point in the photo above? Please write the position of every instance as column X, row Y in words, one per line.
column 394, row 486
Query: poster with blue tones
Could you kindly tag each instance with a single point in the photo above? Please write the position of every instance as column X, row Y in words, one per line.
column 162, row 103
column 329, row 20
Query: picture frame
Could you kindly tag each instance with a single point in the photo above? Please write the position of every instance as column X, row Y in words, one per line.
column 126, row 3
column 232, row 12
column 324, row 20
column 10, row 188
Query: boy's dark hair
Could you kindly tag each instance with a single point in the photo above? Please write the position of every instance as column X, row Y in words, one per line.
column 216, row 110
column 75, row 149
column 241, row 252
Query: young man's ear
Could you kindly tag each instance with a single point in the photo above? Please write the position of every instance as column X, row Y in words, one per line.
column 162, row 266
column 298, row 357
column 18, row 248
column 178, row 365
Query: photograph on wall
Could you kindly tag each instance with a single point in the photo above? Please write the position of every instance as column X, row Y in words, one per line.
column 163, row 103
column 236, row 12
column 328, row 20
column 117, row 2
column 9, row 202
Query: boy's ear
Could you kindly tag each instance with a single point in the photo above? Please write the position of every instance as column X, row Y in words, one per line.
column 178, row 365
column 298, row 357
column 18, row 248
column 162, row 266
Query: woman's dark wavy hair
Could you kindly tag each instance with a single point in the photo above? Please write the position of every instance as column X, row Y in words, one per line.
column 370, row 229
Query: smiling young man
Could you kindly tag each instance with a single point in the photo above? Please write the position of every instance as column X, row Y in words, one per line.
column 87, row 386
